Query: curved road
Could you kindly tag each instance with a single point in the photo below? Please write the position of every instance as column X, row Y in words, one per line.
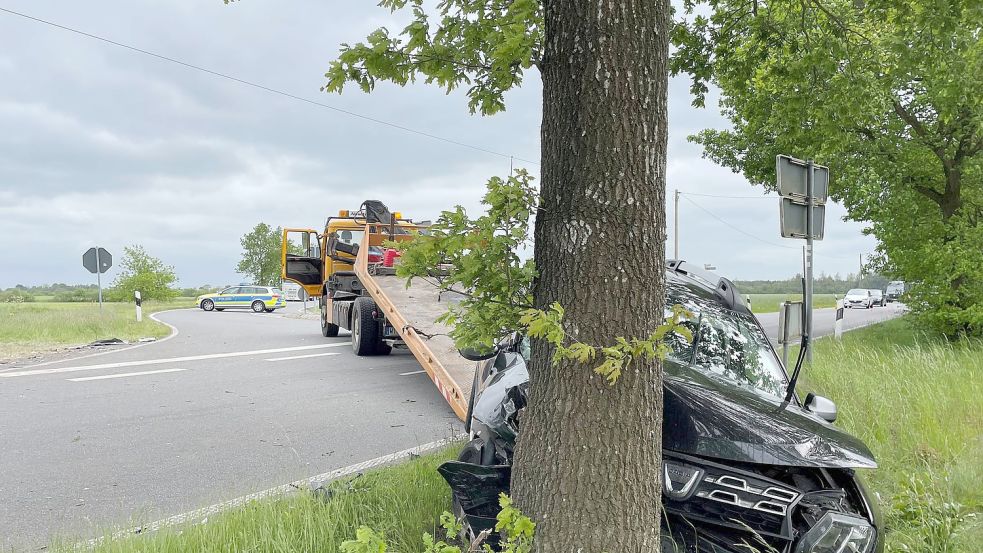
column 236, row 402
column 87, row 443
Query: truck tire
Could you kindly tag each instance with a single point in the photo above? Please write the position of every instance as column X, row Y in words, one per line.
column 365, row 329
column 328, row 330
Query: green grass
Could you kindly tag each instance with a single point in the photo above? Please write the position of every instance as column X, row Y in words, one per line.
column 913, row 398
column 917, row 401
column 768, row 303
column 402, row 502
column 38, row 327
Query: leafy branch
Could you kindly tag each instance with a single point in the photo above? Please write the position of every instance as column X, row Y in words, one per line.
column 548, row 326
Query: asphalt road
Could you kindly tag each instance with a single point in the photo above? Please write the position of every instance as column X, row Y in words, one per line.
column 85, row 446
column 236, row 402
column 823, row 320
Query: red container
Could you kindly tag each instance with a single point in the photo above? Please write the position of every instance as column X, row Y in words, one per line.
column 389, row 259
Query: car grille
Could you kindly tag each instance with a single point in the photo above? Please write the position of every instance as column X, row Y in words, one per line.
column 717, row 494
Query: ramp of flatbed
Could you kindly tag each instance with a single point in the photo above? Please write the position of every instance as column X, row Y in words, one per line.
column 412, row 311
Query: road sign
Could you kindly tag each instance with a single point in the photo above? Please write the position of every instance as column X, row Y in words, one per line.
column 804, row 188
column 793, row 217
column 793, row 179
column 97, row 260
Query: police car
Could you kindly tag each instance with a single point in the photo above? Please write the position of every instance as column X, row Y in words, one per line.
column 257, row 298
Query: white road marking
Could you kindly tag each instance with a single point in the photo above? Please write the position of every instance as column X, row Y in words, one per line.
column 200, row 516
column 123, row 375
column 303, row 356
column 412, row 372
column 166, row 360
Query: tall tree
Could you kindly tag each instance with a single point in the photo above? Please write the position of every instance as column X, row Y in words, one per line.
column 261, row 254
column 581, row 470
column 141, row 271
column 887, row 94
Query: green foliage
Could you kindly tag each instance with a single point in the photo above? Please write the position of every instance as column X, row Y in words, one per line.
column 548, row 325
column 141, row 271
column 481, row 261
column 261, row 255
column 516, row 531
column 887, row 94
column 485, row 265
column 15, row 295
column 484, row 45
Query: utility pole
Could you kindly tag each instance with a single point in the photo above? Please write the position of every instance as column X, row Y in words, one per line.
column 860, row 274
column 675, row 227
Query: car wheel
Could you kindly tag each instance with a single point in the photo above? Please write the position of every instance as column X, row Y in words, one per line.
column 258, row 306
column 208, row 305
column 365, row 329
column 328, row 330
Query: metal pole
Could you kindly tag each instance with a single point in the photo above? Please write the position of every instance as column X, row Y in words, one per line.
column 810, row 182
column 99, row 278
column 675, row 228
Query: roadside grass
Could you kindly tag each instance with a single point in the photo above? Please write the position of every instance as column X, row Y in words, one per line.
column 402, row 502
column 768, row 303
column 915, row 399
column 30, row 328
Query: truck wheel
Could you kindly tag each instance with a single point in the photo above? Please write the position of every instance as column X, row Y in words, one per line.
column 365, row 329
column 383, row 348
column 328, row 330
column 207, row 305
column 258, row 306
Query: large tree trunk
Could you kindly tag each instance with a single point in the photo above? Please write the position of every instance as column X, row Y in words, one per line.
column 588, row 462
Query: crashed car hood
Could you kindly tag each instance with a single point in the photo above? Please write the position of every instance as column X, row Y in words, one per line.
column 711, row 416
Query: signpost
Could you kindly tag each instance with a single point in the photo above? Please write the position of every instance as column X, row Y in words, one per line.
column 804, row 188
column 98, row 261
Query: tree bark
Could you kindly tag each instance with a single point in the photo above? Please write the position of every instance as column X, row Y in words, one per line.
column 588, row 463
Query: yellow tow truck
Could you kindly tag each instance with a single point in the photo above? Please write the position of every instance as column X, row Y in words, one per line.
column 343, row 265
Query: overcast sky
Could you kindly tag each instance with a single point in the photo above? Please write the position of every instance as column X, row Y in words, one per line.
column 104, row 146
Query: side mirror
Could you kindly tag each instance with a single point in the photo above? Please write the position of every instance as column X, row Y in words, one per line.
column 472, row 354
column 822, row 407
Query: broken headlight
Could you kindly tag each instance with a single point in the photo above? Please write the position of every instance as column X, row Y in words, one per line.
column 838, row 533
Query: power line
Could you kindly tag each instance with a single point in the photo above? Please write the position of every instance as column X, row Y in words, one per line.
column 266, row 88
column 710, row 213
column 729, row 197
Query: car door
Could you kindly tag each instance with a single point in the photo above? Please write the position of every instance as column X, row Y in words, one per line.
column 226, row 298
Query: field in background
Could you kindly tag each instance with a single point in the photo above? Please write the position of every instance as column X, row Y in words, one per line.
column 30, row 328
column 914, row 399
column 768, row 303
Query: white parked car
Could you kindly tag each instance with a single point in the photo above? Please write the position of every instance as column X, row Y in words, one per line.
column 858, row 297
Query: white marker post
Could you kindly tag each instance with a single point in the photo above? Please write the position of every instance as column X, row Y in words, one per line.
column 838, row 325
column 139, row 301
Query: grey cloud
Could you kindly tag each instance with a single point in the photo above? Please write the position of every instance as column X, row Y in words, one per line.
column 103, row 145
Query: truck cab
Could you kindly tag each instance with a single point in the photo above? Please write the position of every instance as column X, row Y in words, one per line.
column 323, row 264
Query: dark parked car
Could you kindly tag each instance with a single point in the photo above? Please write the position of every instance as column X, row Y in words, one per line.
column 737, row 459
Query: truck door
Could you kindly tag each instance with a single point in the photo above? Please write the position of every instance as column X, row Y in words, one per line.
column 301, row 259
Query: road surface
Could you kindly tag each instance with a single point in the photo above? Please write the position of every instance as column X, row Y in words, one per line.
column 824, row 319
column 236, row 402
column 86, row 444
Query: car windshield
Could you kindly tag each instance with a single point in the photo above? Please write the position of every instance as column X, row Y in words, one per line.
column 726, row 343
column 856, row 292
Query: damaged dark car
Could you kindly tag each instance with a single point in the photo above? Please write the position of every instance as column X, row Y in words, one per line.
column 747, row 465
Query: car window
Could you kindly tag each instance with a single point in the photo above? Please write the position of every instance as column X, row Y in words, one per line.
column 857, row 292
column 233, row 290
column 726, row 343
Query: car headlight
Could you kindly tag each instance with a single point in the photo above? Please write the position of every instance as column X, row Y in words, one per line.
column 838, row 533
